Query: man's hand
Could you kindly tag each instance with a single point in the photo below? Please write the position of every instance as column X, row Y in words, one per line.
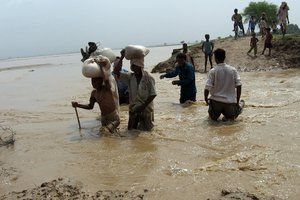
column 175, row 82
column 207, row 101
column 74, row 104
column 139, row 108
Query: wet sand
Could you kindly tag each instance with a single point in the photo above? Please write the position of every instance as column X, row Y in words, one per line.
column 186, row 156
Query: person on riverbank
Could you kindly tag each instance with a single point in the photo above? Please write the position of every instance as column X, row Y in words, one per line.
column 207, row 49
column 186, row 81
column 252, row 25
column 187, row 52
column 253, row 44
column 237, row 21
column 263, row 27
column 106, row 95
column 268, row 41
column 225, row 87
column 141, row 88
column 283, row 16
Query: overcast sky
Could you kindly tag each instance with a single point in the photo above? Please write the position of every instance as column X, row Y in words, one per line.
column 40, row 27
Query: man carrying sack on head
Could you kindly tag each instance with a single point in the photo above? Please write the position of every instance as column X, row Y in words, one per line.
column 141, row 88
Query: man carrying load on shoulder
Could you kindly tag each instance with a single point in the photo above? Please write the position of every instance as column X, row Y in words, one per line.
column 105, row 94
column 141, row 88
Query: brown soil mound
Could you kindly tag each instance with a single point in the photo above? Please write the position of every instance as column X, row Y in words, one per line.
column 285, row 54
column 62, row 189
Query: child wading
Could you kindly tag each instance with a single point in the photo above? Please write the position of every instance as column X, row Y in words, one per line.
column 253, row 44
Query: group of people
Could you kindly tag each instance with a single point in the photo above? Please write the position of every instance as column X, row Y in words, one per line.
column 223, row 85
column 283, row 20
column 140, row 86
column 222, row 91
column 264, row 29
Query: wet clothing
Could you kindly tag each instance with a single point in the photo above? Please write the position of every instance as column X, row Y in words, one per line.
column 221, row 83
column 230, row 111
column 107, row 98
column 186, row 81
column 111, row 121
column 138, row 94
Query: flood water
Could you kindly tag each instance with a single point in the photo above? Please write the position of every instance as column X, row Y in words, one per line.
column 186, row 156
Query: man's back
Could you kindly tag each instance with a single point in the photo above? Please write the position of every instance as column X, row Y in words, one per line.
column 222, row 81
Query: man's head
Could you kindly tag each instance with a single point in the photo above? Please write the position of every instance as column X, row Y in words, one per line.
column 207, row 36
column 220, row 55
column 236, row 11
column 181, row 59
column 136, row 65
column 97, row 82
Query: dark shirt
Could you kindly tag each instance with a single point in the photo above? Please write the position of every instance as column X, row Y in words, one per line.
column 186, row 80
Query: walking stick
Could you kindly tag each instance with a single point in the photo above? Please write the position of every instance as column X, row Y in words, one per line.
column 77, row 118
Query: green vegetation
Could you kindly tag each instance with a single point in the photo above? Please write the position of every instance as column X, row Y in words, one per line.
column 257, row 8
column 292, row 36
column 293, row 28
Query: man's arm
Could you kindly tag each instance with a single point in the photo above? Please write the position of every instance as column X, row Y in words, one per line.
column 144, row 105
column 192, row 60
column 238, row 93
column 206, row 92
column 170, row 74
column 89, row 106
column 118, row 66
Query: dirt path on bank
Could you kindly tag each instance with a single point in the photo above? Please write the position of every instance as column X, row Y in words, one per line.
column 285, row 54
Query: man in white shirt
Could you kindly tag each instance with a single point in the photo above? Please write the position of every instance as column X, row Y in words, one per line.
column 225, row 87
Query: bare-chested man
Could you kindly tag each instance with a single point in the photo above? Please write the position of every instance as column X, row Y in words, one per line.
column 105, row 93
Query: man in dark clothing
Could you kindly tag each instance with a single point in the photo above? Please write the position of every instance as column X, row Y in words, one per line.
column 186, row 81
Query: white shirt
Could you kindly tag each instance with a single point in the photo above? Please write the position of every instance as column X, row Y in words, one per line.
column 221, row 82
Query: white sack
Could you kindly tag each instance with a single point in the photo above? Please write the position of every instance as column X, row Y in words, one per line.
column 107, row 52
column 135, row 51
column 91, row 69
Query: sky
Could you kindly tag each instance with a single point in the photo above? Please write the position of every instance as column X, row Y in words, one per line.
column 42, row 27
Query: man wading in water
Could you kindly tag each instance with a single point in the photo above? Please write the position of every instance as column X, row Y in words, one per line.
column 224, row 85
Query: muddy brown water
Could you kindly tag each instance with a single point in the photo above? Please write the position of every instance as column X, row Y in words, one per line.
column 186, row 156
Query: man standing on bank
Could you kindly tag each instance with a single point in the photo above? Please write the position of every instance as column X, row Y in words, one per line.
column 225, row 87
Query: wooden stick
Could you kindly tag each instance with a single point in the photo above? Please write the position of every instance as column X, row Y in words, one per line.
column 77, row 118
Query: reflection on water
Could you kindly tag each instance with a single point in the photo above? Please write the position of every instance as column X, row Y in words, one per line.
column 187, row 156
